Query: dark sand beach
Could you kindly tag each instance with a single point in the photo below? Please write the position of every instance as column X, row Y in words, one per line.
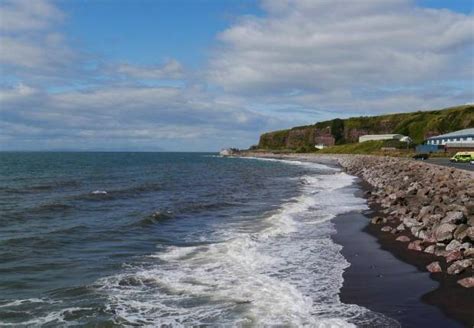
column 386, row 277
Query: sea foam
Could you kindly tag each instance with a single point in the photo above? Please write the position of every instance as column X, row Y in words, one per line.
column 285, row 271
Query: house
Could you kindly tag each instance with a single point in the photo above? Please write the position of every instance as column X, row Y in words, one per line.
column 370, row 137
column 457, row 140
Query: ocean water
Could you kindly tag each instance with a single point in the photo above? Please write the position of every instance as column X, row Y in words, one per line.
column 173, row 239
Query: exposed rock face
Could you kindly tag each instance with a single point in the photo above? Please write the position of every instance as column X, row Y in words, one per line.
column 432, row 203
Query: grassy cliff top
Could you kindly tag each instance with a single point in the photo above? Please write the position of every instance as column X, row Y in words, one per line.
column 418, row 125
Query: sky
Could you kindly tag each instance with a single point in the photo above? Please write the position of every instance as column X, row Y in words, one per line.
column 201, row 75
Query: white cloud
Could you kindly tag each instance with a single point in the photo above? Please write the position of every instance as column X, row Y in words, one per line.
column 160, row 115
column 303, row 61
column 171, row 69
column 27, row 15
column 306, row 49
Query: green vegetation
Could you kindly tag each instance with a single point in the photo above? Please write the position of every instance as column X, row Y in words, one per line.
column 418, row 125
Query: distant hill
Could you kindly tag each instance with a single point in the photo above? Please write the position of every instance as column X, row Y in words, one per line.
column 418, row 125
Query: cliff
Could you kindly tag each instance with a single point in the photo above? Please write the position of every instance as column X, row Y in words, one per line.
column 418, row 125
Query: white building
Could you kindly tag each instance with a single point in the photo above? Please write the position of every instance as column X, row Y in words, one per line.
column 461, row 138
column 369, row 137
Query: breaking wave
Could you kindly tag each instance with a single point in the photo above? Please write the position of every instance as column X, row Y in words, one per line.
column 285, row 271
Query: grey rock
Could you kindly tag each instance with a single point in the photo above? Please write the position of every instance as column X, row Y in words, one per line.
column 434, row 267
column 461, row 232
column 454, row 217
column 459, row 266
column 453, row 256
column 403, row 239
column 467, row 282
column 453, row 245
column 430, row 249
column 444, row 231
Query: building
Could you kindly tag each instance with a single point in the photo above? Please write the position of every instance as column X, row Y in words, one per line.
column 370, row 137
column 457, row 140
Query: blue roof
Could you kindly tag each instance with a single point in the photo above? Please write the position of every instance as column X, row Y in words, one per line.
column 461, row 133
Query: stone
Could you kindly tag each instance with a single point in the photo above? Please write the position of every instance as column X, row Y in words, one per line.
column 403, row 239
column 432, row 219
column 454, row 217
column 461, row 232
column 467, row 282
column 430, row 249
column 400, row 227
column 470, row 233
column 386, row 229
column 453, row 245
column 459, row 266
column 444, row 231
column 434, row 267
column 376, row 220
column 425, row 209
column 409, row 222
column 416, row 245
column 465, row 246
column 469, row 252
column 453, row 256
column 440, row 251
column 470, row 221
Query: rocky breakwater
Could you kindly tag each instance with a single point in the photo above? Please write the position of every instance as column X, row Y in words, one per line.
column 428, row 207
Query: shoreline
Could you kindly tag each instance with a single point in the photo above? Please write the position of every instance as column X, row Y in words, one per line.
column 415, row 299
column 435, row 299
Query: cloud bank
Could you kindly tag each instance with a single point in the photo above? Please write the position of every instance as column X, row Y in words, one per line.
column 301, row 61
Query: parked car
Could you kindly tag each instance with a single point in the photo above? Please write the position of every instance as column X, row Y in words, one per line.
column 463, row 157
column 421, row 156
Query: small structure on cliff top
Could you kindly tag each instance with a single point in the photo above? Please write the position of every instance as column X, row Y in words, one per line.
column 457, row 140
column 370, row 137
column 229, row 151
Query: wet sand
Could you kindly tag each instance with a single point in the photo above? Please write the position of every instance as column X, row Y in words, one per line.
column 386, row 277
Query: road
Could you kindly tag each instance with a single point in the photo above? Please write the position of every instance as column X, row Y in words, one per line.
column 446, row 162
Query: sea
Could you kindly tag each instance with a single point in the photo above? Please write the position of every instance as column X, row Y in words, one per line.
column 172, row 240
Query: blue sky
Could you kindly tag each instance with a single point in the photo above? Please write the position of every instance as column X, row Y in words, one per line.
column 201, row 75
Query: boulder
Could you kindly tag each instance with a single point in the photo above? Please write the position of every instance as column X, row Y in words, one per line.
column 377, row 220
column 467, row 282
column 425, row 210
column 470, row 221
column 400, row 227
column 454, row 217
column 444, row 231
column 403, row 239
column 434, row 267
column 430, row 249
column 440, row 251
column 431, row 219
column 461, row 232
column 459, row 266
column 470, row 233
column 453, row 256
column 453, row 245
column 416, row 245
column 409, row 222
column 469, row 252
